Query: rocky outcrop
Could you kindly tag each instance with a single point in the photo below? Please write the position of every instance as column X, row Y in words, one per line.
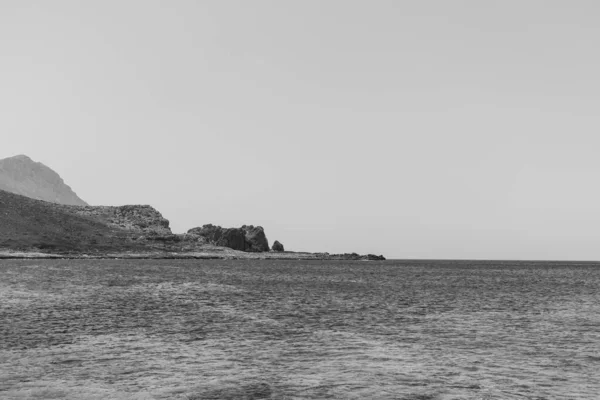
column 139, row 219
column 247, row 238
column 255, row 238
column 21, row 175
column 233, row 238
column 277, row 246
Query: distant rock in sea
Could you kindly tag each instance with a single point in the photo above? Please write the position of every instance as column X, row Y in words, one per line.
column 247, row 238
column 277, row 246
column 21, row 175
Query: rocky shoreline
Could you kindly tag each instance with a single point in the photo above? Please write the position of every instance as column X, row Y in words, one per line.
column 55, row 226
column 214, row 253
column 32, row 228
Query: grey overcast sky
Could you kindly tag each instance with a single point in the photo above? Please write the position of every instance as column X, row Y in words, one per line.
column 429, row 129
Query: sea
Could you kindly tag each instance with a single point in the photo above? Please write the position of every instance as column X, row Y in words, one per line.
column 269, row 329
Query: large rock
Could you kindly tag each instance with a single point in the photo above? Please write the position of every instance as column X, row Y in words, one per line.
column 227, row 237
column 256, row 240
column 247, row 238
column 233, row 238
column 277, row 246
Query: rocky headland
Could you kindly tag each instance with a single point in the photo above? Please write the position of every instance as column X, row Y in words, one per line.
column 247, row 238
column 41, row 217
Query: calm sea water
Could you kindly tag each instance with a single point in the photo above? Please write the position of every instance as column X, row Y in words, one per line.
column 299, row 330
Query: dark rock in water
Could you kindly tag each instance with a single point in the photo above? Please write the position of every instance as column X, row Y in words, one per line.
column 247, row 238
column 21, row 175
column 277, row 246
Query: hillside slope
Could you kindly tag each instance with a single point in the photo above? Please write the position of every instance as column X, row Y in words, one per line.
column 29, row 224
column 21, row 175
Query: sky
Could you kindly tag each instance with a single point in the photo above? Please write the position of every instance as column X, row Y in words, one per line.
column 412, row 129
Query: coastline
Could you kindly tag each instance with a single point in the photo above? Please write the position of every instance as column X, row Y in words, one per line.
column 217, row 253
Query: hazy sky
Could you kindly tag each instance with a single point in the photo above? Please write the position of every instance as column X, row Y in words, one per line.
column 431, row 129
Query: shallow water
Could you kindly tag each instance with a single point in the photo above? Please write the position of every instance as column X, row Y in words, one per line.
column 113, row 329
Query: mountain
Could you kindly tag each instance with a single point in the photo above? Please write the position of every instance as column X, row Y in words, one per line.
column 21, row 175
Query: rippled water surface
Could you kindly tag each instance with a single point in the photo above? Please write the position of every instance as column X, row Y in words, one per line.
column 114, row 329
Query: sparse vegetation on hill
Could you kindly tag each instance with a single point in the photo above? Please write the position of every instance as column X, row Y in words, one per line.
column 141, row 219
column 29, row 224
